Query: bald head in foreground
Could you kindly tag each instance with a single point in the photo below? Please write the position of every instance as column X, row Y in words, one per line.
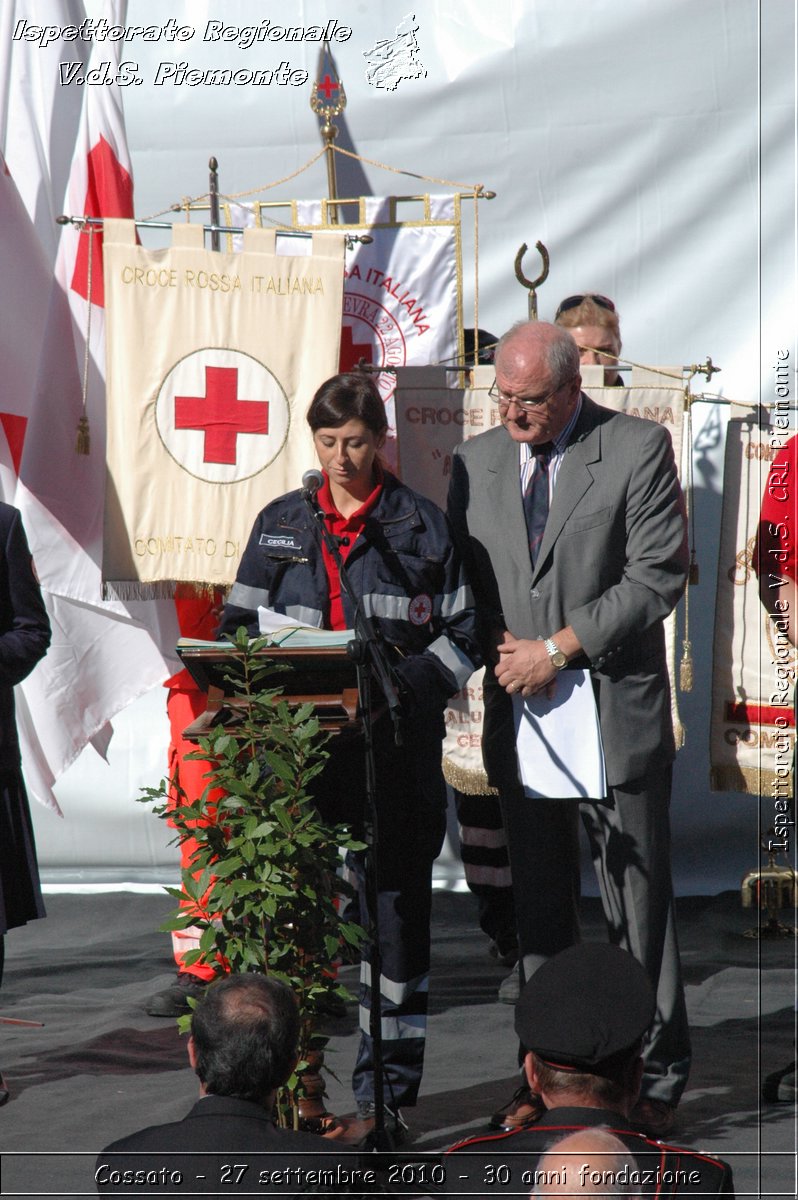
column 590, row 1162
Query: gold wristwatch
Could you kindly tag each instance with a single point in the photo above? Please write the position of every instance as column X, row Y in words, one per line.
column 558, row 659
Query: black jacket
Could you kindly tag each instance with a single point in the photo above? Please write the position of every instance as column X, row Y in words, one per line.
column 224, row 1146
column 24, row 625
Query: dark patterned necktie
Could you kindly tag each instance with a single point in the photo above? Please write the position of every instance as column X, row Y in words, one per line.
column 536, row 498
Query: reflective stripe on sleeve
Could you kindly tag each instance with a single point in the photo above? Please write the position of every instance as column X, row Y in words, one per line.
column 452, row 658
column 308, row 616
column 390, row 608
column 454, row 602
column 244, row 596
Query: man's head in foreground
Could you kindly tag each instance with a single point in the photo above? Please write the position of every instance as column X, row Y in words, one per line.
column 588, row 1162
column 244, row 1035
column 581, row 1019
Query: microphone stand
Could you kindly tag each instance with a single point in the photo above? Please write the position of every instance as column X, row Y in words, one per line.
column 368, row 652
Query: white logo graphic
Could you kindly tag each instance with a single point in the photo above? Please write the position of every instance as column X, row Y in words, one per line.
column 222, row 415
column 390, row 60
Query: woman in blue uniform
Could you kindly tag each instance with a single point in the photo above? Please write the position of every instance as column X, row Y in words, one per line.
column 406, row 576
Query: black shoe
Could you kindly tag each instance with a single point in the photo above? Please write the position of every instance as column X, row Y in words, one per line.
column 5, row 1095
column 174, row 1001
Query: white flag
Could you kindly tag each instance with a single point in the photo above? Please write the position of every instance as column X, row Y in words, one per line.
column 102, row 656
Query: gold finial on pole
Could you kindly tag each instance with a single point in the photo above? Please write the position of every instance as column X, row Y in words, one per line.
column 328, row 100
column 531, row 284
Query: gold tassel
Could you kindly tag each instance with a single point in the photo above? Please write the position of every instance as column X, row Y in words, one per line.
column 83, row 440
column 686, row 668
column 692, row 576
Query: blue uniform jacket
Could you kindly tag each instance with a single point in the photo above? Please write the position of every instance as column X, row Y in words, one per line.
column 403, row 567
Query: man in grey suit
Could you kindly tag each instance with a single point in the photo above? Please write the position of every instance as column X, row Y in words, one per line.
column 570, row 519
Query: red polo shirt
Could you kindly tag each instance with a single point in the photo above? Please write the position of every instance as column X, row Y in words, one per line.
column 343, row 527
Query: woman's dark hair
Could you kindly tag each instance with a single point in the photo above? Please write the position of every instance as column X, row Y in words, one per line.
column 353, row 396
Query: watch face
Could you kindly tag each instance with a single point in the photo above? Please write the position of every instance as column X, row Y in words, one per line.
column 558, row 659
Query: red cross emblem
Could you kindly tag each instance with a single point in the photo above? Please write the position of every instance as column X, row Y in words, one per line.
column 328, row 86
column 208, row 403
column 220, row 415
column 420, row 609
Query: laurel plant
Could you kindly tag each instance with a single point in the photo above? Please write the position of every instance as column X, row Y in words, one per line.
column 262, row 886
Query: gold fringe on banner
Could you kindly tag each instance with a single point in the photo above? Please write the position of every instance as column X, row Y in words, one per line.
column 470, row 783
column 751, row 781
column 126, row 590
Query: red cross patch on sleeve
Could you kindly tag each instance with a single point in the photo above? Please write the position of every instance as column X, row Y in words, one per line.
column 420, row 610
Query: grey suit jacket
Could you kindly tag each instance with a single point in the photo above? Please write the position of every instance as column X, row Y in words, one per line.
column 612, row 564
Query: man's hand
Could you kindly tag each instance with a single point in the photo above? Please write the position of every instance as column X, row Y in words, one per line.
column 524, row 667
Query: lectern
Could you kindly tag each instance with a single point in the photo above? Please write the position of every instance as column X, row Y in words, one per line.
column 324, row 676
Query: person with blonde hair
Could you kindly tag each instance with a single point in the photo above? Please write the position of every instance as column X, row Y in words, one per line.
column 594, row 324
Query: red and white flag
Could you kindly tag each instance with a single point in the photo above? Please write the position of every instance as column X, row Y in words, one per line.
column 38, row 117
column 103, row 654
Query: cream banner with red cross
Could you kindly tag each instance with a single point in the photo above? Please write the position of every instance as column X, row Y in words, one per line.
column 212, row 360
column 752, row 728
column 434, row 413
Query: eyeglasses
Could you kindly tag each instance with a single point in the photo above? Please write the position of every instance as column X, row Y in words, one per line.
column 575, row 301
column 527, row 403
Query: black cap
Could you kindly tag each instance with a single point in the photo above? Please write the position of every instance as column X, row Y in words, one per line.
column 585, row 1008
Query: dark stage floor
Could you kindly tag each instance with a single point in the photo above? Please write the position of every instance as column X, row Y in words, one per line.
column 101, row 1068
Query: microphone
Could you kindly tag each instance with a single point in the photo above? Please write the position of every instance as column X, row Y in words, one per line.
column 311, row 482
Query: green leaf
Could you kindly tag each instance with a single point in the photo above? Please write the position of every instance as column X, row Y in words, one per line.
column 230, row 866
column 282, row 769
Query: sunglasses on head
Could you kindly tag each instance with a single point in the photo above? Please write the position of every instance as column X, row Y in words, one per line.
column 575, row 301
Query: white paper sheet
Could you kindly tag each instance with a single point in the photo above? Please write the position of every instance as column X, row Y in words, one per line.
column 270, row 621
column 560, row 755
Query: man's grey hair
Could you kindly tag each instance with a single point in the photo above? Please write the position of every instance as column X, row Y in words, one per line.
column 562, row 352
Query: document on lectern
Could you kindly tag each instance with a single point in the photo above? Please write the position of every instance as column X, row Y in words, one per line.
column 285, row 631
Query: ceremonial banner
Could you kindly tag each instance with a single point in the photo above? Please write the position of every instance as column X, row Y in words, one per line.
column 752, row 728
column 403, row 290
column 212, row 362
column 434, row 413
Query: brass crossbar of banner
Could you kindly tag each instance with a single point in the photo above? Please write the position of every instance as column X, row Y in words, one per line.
column 233, row 229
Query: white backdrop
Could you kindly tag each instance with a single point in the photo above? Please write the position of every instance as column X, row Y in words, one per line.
column 649, row 144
